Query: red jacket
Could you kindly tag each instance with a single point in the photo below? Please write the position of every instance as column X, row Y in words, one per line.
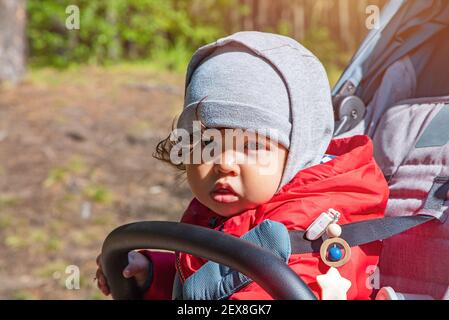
column 351, row 183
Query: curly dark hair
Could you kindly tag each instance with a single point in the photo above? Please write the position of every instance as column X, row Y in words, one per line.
column 165, row 146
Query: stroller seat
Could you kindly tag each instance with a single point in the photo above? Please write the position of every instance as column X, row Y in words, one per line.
column 411, row 145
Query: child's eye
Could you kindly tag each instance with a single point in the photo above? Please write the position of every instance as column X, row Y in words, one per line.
column 254, row 146
column 207, row 141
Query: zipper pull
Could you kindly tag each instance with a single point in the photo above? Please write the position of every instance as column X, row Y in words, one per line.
column 319, row 226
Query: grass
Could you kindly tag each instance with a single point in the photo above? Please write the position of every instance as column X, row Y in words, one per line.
column 53, row 269
column 35, row 239
column 76, row 167
column 125, row 73
column 97, row 295
column 60, row 174
column 15, row 242
column 6, row 221
column 23, row 295
column 8, row 201
column 85, row 75
column 99, row 194
column 140, row 128
column 56, row 176
column 79, row 238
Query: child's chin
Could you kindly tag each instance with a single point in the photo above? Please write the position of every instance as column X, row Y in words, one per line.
column 229, row 210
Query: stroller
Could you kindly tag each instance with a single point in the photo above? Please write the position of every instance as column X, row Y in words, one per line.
column 396, row 90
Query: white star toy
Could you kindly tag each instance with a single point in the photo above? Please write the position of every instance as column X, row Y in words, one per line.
column 333, row 285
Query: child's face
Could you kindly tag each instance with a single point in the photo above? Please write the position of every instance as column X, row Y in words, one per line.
column 239, row 178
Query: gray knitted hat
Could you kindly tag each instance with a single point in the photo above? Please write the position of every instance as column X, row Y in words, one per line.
column 261, row 81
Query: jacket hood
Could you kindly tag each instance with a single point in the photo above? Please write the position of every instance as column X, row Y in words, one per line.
column 307, row 87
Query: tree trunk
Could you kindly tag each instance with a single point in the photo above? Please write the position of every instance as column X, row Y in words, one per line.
column 346, row 34
column 12, row 40
column 299, row 23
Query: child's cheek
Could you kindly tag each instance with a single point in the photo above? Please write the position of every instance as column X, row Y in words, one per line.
column 197, row 172
column 260, row 187
column 193, row 177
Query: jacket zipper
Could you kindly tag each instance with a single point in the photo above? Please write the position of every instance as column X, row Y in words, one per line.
column 178, row 266
column 213, row 223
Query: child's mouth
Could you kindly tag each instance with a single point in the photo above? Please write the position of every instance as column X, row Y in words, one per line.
column 223, row 194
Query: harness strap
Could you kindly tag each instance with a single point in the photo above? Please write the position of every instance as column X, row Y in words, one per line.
column 359, row 233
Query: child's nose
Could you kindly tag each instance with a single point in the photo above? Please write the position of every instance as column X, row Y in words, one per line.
column 228, row 164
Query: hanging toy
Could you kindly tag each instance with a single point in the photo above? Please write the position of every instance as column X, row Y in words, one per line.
column 333, row 285
column 334, row 252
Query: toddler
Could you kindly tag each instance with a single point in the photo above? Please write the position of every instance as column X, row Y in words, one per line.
column 257, row 125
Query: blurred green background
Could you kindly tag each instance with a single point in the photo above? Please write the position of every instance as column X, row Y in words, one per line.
column 167, row 32
column 81, row 112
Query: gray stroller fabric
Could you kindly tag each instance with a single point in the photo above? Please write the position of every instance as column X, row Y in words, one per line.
column 410, row 31
column 410, row 138
column 409, row 147
column 398, row 83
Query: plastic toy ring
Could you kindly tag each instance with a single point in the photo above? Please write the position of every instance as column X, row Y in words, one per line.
column 324, row 250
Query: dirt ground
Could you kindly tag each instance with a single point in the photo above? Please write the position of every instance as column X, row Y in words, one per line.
column 76, row 162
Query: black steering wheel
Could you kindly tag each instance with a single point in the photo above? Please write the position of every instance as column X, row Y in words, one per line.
column 257, row 263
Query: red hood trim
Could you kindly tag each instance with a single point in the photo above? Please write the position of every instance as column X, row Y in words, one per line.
column 352, row 153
